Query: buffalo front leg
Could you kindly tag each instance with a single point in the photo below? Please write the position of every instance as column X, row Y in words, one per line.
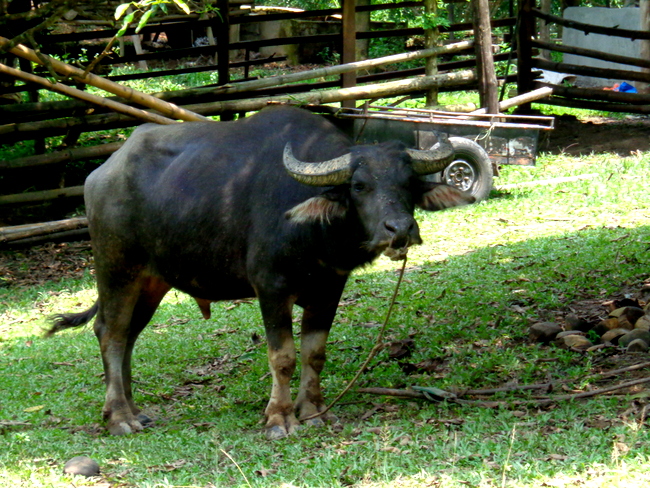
column 316, row 324
column 280, row 418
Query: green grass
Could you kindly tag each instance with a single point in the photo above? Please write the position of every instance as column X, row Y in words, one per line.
column 470, row 292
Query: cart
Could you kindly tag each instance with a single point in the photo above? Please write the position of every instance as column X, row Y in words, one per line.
column 482, row 143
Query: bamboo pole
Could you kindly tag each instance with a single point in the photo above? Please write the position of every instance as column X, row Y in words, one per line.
column 166, row 108
column 87, row 97
column 103, row 121
column 516, row 101
column 76, row 154
column 337, row 70
column 269, row 82
column 363, row 92
column 9, row 234
column 40, row 196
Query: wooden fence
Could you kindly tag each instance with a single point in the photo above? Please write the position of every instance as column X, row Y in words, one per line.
column 49, row 174
column 568, row 96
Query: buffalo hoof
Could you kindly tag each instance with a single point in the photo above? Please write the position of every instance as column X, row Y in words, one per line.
column 124, row 427
column 275, row 432
column 321, row 420
column 144, row 420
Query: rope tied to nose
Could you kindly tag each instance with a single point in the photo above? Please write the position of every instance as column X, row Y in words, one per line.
column 373, row 352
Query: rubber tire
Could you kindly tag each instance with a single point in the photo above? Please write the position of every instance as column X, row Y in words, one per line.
column 471, row 170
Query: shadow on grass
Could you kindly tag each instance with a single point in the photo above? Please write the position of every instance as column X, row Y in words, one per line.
column 208, row 382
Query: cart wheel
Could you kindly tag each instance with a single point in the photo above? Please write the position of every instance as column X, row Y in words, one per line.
column 471, row 169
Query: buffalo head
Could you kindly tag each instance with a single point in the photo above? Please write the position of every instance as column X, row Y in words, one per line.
column 380, row 185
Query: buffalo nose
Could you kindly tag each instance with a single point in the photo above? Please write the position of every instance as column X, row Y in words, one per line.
column 399, row 227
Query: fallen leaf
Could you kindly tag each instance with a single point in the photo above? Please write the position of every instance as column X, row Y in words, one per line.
column 34, row 409
column 265, row 472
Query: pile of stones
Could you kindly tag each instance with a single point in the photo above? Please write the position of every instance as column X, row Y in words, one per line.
column 627, row 326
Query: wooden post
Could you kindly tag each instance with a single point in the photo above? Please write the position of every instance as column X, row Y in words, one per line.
column 349, row 43
column 223, row 49
column 363, row 25
column 488, row 88
column 525, row 50
column 431, row 40
column 545, row 29
column 644, row 25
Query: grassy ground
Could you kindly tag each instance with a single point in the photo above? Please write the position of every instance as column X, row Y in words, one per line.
column 484, row 274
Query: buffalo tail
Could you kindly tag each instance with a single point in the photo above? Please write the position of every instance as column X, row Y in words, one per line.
column 69, row 320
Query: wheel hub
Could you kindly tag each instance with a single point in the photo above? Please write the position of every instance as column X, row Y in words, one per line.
column 460, row 174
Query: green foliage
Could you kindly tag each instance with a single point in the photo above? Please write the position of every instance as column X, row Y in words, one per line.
column 302, row 4
column 144, row 9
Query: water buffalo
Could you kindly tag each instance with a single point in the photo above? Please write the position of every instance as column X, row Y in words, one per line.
column 281, row 206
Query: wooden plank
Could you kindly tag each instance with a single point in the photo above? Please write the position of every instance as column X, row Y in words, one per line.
column 615, row 74
column 590, row 28
column 590, row 53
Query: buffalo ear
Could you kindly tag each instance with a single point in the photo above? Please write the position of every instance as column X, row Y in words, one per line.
column 317, row 209
column 439, row 196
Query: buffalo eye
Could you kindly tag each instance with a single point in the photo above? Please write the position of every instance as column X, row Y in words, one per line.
column 358, row 187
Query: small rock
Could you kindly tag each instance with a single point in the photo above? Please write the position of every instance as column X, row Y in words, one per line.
column 637, row 345
column 82, row 465
column 574, row 322
column 568, row 333
column 632, row 314
column 625, row 340
column 573, row 342
column 544, row 332
column 614, row 335
column 643, row 323
column 617, row 312
column 607, row 324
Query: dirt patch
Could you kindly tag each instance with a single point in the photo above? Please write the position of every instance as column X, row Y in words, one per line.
column 45, row 263
column 597, row 135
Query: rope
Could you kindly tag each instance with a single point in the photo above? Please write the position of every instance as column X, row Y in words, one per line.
column 373, row 352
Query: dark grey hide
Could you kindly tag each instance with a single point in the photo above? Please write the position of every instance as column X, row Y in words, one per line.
column 211, row 209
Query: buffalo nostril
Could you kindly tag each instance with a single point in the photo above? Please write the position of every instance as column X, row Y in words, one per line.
column 390, row 227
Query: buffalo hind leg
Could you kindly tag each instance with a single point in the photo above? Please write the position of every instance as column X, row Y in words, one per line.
column 280, row 418
column 121, row 318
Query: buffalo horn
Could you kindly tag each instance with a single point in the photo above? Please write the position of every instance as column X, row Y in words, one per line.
column 325, row 173
column 429, row 161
